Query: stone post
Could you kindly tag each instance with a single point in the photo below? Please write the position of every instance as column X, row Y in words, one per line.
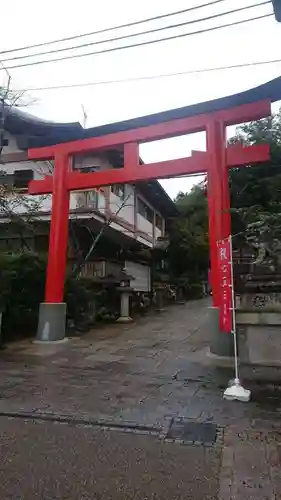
column 180, row 294
column 125, row 292
column 159, row 298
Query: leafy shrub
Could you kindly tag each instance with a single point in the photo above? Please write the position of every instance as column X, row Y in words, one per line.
column 22, row 280
column 194, row 291
column 22, row 284
column 80, row 296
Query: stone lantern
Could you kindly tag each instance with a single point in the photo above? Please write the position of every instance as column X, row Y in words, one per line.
column 160, row 291
column 180, row 291
column 125, row 292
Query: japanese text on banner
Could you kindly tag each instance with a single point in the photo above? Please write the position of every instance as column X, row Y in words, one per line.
column 225, row 281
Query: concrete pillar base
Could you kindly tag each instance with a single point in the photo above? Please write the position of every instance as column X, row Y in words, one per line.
column 50, row 342
column 221, row 361
column 124, row 319
column 221, row 342
column 51, row 323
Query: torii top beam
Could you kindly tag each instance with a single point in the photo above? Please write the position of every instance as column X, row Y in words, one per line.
column 249, row 105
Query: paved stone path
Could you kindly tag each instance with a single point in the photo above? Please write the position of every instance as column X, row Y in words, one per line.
column 115, row 404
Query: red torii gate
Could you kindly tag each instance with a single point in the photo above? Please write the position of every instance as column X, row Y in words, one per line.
column 215, row 162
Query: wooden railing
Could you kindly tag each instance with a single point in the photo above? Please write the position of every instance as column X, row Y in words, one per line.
column 101, row 269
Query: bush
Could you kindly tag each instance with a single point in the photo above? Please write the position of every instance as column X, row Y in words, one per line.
column 22, row 280
column 194, row 291
column 80, row 296
column 22, row 284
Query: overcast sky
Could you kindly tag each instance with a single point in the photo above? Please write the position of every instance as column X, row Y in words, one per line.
column 33, row 22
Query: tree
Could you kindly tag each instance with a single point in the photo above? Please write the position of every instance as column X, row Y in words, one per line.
column 8, row 100
column 256, row 207
column 16, row 209
column 188, row 252
column 83, row 259
column 256, row 190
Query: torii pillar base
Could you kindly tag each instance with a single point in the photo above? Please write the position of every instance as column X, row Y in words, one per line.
column 51, row 324
column 221, row 343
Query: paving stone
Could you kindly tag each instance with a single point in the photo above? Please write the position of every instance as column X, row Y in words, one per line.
column 192, row 432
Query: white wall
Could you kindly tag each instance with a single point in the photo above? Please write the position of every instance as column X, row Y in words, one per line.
column 158, row 233
column 92, row 161
column 118, row 227
column 141, row 274
column 144, row 225
column 127, row 210
column 40, row 168
column 101, row 202
column 12, row 146
column 44, row 204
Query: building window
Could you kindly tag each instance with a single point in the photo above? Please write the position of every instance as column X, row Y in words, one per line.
column 92, row 199
column 118, row 190
column 145, row 210
column 158, row 221
column 87, row 170
column 22, row 179
column 88, row 199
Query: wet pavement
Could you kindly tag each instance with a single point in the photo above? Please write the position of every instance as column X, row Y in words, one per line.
column 135, row 412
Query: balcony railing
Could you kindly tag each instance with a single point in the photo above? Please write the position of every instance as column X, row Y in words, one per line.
column 87, row 199
column 101, row 269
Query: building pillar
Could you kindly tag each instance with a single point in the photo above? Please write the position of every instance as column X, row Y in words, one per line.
column 52, row 313
column 219, row 228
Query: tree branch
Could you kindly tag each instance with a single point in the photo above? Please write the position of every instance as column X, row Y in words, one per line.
column 77, row 269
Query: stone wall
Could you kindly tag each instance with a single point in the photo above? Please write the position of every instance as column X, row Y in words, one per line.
column 258, row 313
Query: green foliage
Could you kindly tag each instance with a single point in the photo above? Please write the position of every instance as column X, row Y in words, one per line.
column 194, row 291
column 256, row 207
column 188, row 251
column 256, row 190
column 258, row 184
column 21, row 291
column 79, row 296
column 22, row 283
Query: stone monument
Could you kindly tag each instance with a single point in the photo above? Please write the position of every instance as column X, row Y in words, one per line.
column 257, row 283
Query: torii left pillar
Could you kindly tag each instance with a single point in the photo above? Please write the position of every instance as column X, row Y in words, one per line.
column 53, row 311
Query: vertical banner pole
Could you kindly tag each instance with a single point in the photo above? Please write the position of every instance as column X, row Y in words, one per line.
column 234, row 330
column 235, row 389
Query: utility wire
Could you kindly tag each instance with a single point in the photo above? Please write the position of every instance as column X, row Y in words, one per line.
column 132, row 35
column 112, row 28
column 140, row 44
column 152, row 77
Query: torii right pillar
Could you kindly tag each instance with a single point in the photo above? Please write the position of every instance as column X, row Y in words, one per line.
column 219, row 226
